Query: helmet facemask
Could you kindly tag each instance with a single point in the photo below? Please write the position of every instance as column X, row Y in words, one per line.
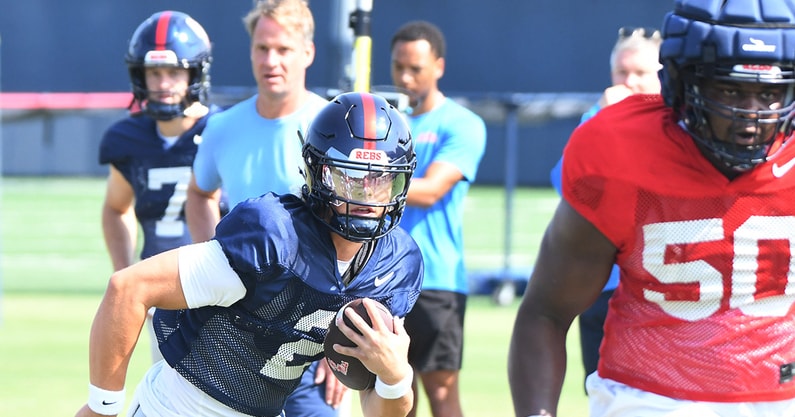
column 738, row 138
column 360, row 201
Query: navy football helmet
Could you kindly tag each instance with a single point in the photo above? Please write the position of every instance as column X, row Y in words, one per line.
column 169, row 39
column 359, row 159
column 740, row 41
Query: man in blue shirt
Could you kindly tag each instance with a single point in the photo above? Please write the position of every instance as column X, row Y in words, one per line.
column 450, row 141
column 252, row 148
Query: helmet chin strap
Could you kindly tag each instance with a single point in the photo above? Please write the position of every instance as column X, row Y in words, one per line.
column 358, row 229
column 163, row 111
column 726, row 157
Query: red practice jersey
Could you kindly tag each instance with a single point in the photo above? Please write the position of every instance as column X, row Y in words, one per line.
column 704, row 309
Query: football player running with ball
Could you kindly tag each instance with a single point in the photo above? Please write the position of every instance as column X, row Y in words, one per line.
column 242, row 315
column 691, row 194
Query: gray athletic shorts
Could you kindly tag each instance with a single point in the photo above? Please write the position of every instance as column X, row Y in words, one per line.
column 436, row 328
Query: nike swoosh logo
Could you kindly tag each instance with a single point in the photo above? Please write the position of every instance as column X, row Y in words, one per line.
column 107, row 403
column 381, row 280
column 780, row 170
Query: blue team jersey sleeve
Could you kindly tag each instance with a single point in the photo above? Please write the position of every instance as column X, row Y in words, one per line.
column 130, row 138
column 268, row 235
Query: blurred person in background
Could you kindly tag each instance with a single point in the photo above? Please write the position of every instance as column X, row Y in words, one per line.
column 151, row 152
column 450, row 141
column 634, row 67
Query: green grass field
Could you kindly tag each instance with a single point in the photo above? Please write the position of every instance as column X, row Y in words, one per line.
column 54, row 267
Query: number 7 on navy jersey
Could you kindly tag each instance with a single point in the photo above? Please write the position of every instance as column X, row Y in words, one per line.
column 170, row 224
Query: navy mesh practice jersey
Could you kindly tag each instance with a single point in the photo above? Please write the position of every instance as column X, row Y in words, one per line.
column 158, row 175
column 251, row 355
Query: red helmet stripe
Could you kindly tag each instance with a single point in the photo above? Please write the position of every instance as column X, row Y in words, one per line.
column 161, row 33
column 368, row 107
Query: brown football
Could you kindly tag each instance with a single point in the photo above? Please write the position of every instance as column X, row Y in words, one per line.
column 349, row 370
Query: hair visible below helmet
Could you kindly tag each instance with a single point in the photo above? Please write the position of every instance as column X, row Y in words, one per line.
column 743, row 41
column 169, row 39
column 359, row 154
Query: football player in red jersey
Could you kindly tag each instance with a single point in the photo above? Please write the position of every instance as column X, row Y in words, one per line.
column 690, row 193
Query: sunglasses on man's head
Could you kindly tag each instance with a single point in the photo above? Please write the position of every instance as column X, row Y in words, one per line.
column 646, row 32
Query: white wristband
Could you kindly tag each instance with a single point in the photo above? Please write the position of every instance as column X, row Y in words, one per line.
column 391, row 392
column 107, row 403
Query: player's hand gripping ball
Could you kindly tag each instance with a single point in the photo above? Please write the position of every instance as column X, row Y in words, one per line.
column 349, row 370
